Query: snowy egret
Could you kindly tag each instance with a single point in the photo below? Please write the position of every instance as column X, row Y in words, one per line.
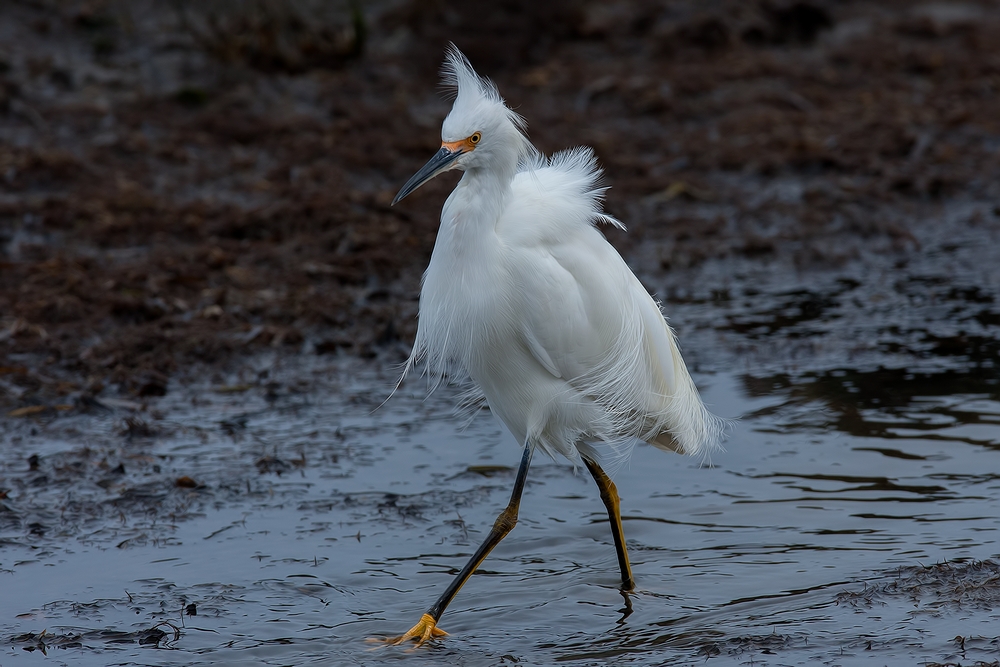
column 525, row 296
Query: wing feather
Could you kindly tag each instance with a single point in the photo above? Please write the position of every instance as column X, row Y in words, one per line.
column 588, row 319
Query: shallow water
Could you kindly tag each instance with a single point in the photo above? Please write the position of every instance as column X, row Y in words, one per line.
column 846, row 523
column 768, row 554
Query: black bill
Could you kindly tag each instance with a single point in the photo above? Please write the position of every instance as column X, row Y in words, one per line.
column 440, row 162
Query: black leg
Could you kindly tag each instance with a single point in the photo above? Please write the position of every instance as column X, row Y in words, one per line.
column 427, row 627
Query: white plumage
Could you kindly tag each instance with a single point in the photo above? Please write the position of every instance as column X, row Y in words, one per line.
column 528, row 298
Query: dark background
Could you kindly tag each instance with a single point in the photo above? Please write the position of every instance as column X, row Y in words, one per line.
column 183, row 182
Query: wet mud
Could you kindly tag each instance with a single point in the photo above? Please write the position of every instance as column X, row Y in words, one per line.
column 204, row 298
column 186, row 183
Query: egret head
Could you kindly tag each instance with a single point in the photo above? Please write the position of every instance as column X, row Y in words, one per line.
column 481, row 132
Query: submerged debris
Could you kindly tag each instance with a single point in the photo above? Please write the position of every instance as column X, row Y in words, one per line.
column 934, row 588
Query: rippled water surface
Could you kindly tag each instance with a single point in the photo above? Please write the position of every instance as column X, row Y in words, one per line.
column 276, row 517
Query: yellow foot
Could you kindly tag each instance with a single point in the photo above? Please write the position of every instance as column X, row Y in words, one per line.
column 425, row 629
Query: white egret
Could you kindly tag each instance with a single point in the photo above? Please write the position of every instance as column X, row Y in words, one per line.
column 527, row 297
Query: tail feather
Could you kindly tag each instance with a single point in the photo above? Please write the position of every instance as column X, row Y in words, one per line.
column 689, row 426
column 646, row 390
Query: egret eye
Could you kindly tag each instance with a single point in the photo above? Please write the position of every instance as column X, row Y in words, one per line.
column 475, row 138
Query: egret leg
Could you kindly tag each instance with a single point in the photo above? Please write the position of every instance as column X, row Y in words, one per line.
column 609, row 494
column 427, row 628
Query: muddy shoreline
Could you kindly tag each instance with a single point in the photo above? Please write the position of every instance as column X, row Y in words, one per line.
column 173, row 194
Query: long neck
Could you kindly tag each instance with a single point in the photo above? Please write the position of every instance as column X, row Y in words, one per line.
column 478, row 200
